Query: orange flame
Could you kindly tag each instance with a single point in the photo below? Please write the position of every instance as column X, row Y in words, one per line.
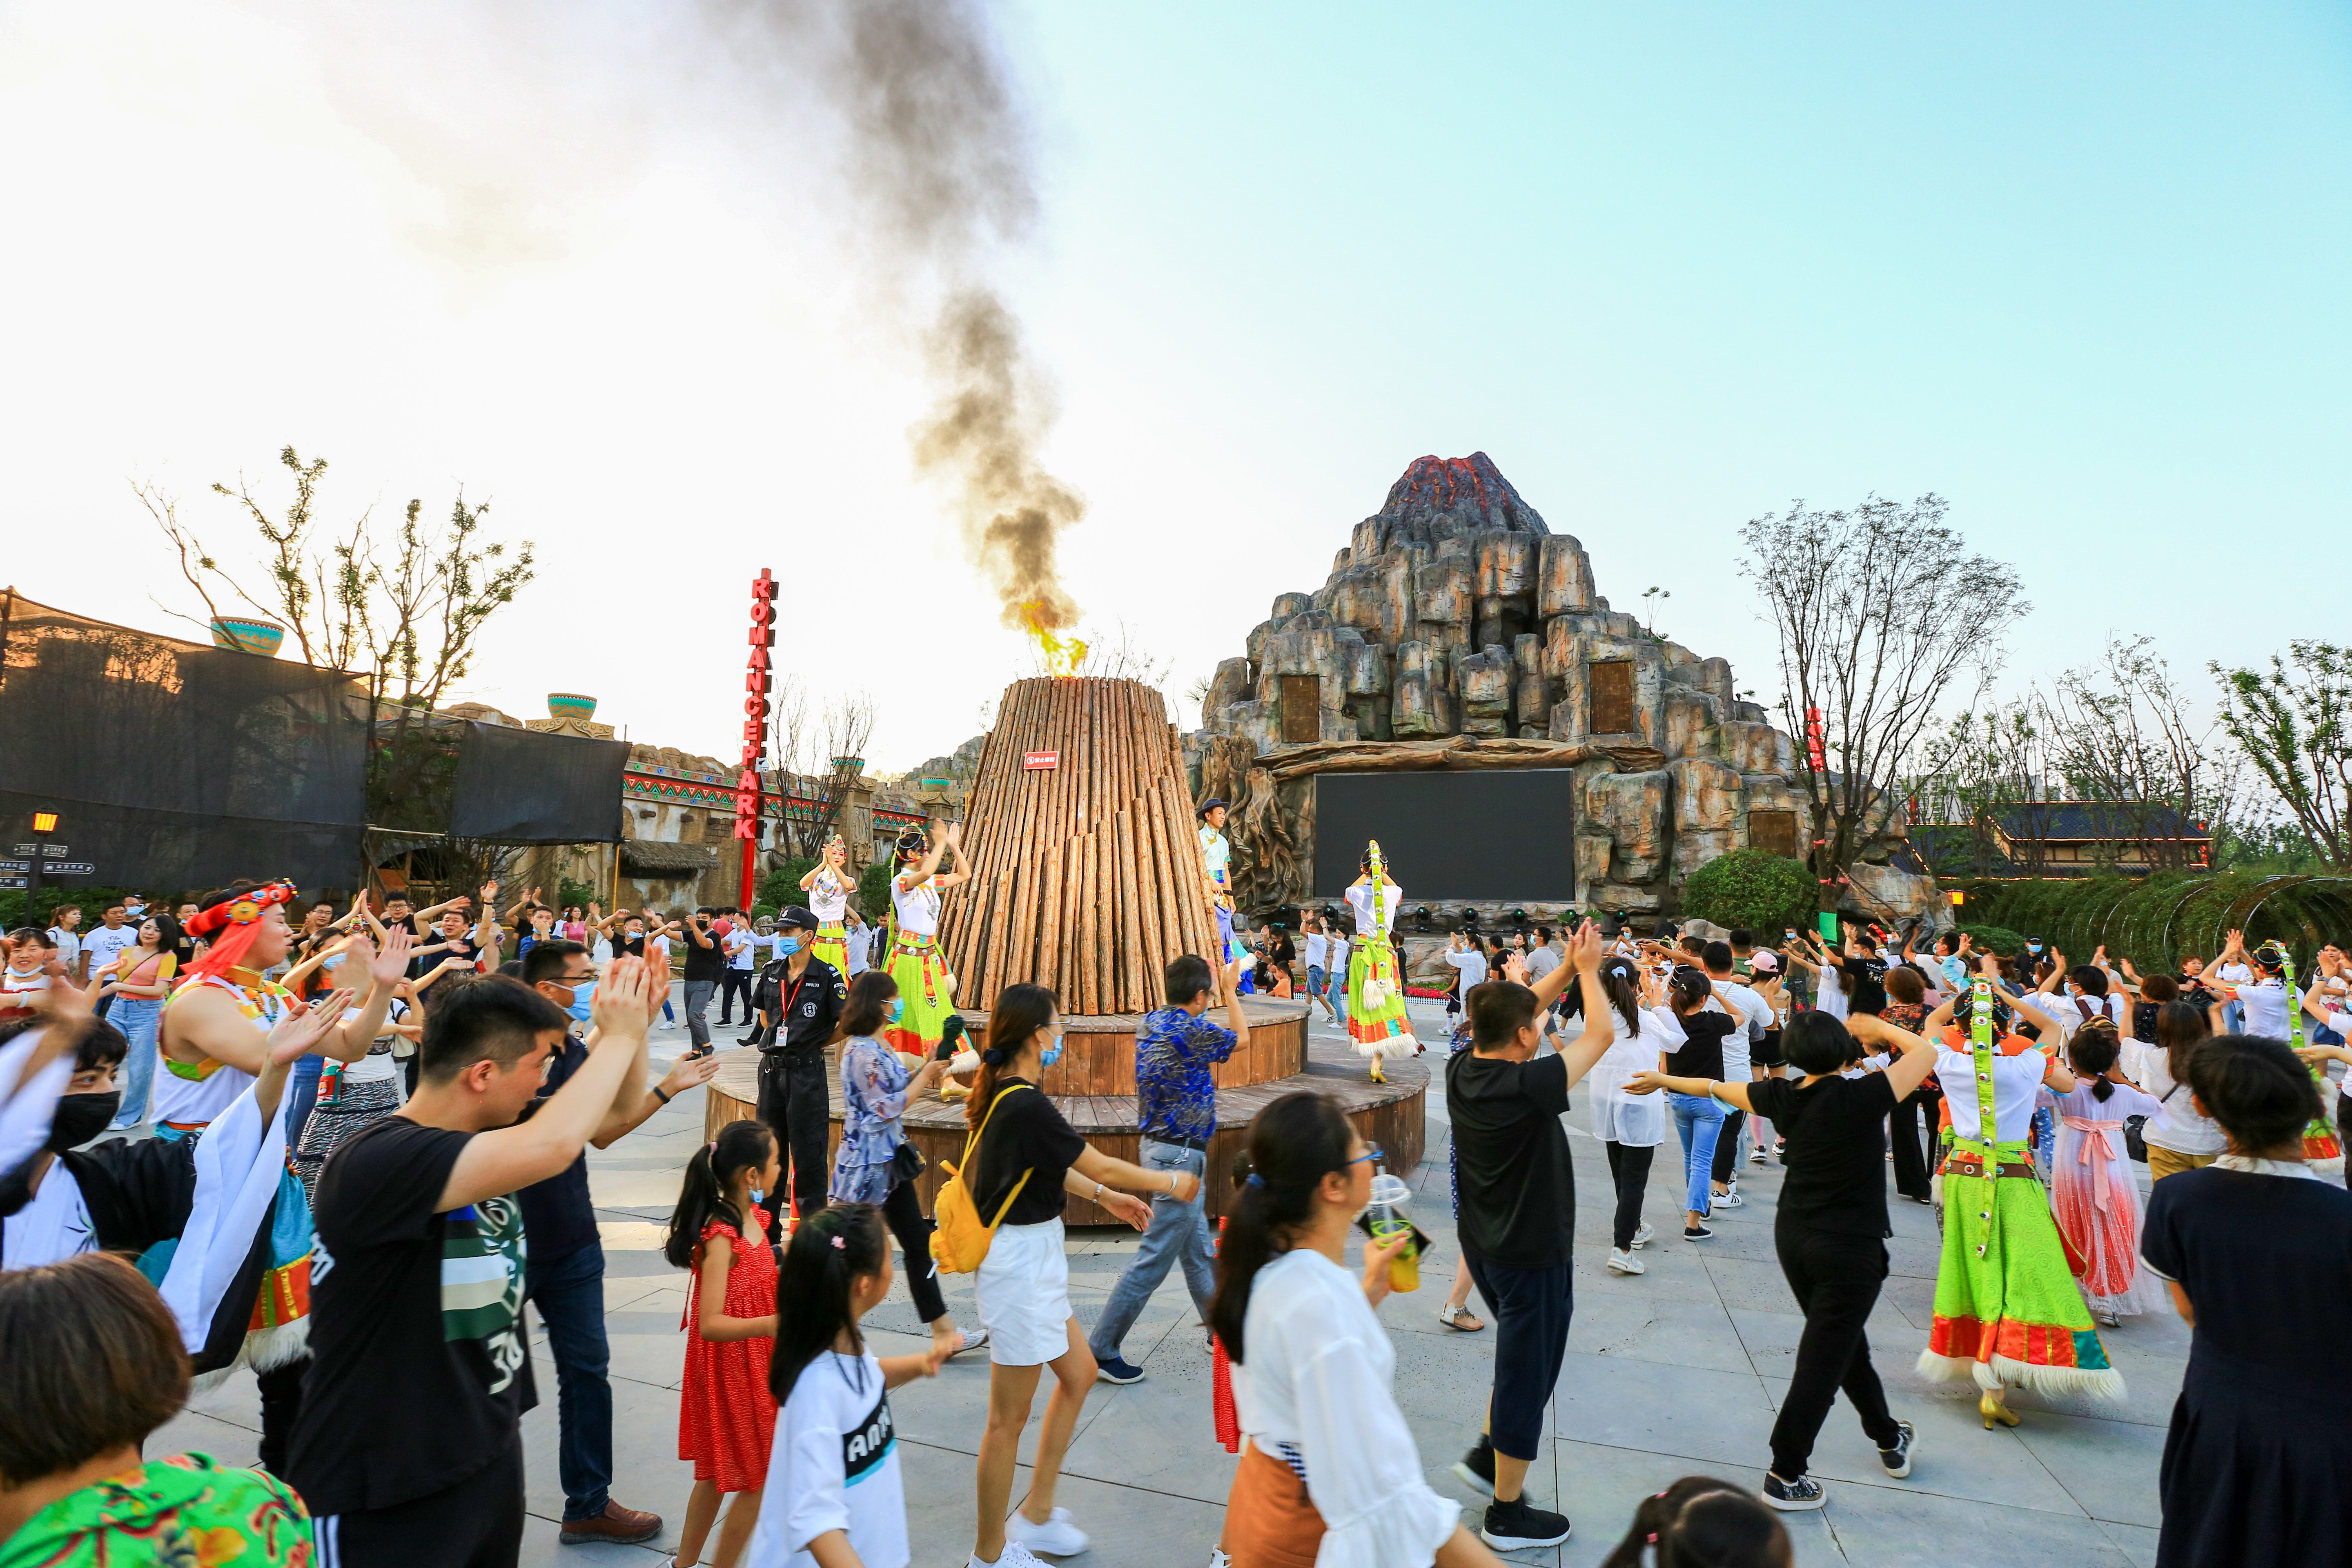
column 1061, row 656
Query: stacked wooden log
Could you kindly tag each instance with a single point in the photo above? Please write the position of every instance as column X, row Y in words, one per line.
column 1087, row 873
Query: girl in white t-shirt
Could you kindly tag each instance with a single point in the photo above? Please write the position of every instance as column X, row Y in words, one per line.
column 833, row 1472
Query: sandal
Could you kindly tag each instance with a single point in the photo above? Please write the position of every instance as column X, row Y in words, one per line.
column 1451, row 1317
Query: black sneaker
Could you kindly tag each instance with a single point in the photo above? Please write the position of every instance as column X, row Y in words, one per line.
column 1476, row 1468
column 1111, row 1369
column 1696, row 1233
column 1897, row 1459
column 1516, row 1525
column 1792, row 1497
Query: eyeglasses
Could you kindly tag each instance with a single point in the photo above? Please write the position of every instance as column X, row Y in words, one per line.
column 1375, row 1153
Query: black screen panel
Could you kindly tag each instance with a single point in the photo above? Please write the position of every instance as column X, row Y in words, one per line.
column 1507, row 832
column 520, row 787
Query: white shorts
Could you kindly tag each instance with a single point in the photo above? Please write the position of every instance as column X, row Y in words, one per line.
column 1023, row 1291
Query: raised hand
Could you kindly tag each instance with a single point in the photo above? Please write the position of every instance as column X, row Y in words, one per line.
column 1584, row 948
column 299, row 1029
column 388, row 967
column 626, row 1000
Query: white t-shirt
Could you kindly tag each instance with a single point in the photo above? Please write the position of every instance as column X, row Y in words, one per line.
column 1319, row 948
column 1361, row 900
column 68, row 946
column 1472, row 965
column 857, row 948
column 2015, row 1081
column 1831, row 996
column 2177, row 1124
column 835, row 1466
column 1317, row 1387
column 104, row 946
column 2068, row 1011
column 739, row 943
column 2263, row 1008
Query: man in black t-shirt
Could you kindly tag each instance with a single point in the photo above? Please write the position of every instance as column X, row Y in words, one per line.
column 1517, row 1205
column 565, row 1277
column 408, row 1449
column 1831, row 1227
column 800, row 1000
column 705, row 958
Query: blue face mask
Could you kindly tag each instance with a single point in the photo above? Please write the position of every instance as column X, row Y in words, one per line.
column 788, row 945
column 1052, row 1053
column 898, row 1008
column 582, row 995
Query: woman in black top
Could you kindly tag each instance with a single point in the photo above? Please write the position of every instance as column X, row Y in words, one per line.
column 2258, row 1252
column 1030, row 1161
column 1697, row 1117
column 1831, row 1229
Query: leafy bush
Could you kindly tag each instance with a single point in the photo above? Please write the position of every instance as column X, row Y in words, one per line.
column 92, row 903
column 874, row 891
column 1997, row 940
column 782, row 888
column 1751, row 888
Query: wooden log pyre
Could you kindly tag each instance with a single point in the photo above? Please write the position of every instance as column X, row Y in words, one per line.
column 1088, row 872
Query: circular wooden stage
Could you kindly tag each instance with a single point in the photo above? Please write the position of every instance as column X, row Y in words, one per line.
column 1094, row 1085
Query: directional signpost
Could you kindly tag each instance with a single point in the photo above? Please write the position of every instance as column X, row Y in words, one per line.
column 41, row 858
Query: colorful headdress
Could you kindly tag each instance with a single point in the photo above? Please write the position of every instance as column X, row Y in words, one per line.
column 912, row 843
column 232, row 923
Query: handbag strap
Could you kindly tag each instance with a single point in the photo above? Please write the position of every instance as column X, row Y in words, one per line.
column 971, row 1141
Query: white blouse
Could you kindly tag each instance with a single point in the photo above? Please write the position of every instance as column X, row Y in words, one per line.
column 828, row 898
column 2177, row 1124
column 1318, row 1382
column 1636, row 1120
column 1360, row 900
column 919, row 909
column 2016, row 1081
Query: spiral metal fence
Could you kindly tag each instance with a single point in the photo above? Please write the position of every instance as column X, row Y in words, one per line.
column 2156, row 921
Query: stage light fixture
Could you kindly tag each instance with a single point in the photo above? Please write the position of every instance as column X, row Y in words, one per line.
column 1420, row 917
column 1469, row 915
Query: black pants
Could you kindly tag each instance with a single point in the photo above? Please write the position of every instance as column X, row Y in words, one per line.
column 1630, row 1169
column 793, row 1104
column 1910, row 1154
column 1727, row 1144
column 477, row 1523
column 903, row 1213
column 282, row 1406
column 734, row 982
column 1836, row 1279
column 1532, row 1309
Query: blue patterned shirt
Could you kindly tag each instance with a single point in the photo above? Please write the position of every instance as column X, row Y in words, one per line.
column 1174, row 1094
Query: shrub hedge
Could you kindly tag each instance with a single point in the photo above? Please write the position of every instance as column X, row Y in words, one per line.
column 1751, row 888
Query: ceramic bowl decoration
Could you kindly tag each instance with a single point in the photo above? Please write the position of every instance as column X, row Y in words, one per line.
column 247, row 634
column 570, row 705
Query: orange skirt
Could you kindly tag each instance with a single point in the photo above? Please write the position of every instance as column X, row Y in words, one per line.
column 1270, row 1523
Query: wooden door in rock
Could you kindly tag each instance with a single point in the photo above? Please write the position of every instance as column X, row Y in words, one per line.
column 1773, row 831
column 1302, row 709
column 1612, row 698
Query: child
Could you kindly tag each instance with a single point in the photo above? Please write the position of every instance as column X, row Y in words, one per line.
column 725, row 1419
column 1702, row 1522
column 836, row 1450
column 2093, row 1193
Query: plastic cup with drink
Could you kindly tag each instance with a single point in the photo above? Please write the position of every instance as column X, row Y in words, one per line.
column 1386, row 1218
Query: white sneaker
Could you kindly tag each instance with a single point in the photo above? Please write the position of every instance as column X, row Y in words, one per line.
column 1217, row 1558
column 1727, row 1200
column 1057, row 1537
column 1015, row 1556
column 1624, row 1262
column 1642, row 1237
column 1755, row 1156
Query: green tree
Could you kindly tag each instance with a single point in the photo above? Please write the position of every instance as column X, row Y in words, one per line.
column 874, row 891
column 2294, row 725
column 1751, row 888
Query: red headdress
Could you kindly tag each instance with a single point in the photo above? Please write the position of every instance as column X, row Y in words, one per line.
column 231, row 924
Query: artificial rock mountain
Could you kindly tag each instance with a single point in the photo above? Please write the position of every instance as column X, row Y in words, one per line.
column 1454, row 611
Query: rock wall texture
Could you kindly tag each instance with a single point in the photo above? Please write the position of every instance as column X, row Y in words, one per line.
column 1455, row 611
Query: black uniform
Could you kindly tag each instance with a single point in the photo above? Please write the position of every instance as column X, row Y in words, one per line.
column 799, row 1017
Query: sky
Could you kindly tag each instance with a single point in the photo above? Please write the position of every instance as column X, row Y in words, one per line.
column 2077, row 270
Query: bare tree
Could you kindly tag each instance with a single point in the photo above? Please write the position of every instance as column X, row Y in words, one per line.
column 404, row 614
column 819, row 752
column 1977, row 785
column 2122, row 736
column 2294, row 725
column 1879, row 609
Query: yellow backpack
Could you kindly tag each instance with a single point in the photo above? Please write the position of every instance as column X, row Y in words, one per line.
column 960, row 1243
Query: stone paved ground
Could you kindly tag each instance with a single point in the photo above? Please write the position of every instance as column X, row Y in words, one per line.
column 1676, row 1372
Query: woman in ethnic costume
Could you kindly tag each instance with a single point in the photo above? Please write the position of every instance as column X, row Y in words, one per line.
column 915, row 962
column 1377, row 1026
column 2007, row 1309
column 828, row 885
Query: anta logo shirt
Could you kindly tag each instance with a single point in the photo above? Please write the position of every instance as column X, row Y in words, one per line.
column 420, row 1372
column 834, row 1466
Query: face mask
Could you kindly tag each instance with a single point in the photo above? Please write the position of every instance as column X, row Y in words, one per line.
column 1053, row 1053
column 582, row 995
column 758, row 1195
column 788, row 945
column 898, row 1008
column 80, row 1118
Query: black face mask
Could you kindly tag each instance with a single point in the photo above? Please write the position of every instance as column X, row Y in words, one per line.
column 80, row 1118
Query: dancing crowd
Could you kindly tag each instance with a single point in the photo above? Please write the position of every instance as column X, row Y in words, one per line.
column 346, row 1154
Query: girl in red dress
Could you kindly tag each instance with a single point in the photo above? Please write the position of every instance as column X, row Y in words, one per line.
column 726, row 1417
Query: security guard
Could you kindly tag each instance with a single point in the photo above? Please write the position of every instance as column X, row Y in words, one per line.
column 800, row 1000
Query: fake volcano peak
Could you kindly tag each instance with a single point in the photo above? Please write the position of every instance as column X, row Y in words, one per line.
column 1438, row 498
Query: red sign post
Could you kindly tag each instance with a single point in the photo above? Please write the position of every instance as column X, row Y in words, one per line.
column 1033, row 760
column 758, row 680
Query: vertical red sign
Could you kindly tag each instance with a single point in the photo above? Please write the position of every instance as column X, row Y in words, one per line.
column 759, row 679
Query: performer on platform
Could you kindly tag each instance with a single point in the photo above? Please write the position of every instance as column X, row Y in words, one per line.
column 915, row 963
column 1216, row 862
column 828, row 885
column 2007, row 1310
column 1376, row 1020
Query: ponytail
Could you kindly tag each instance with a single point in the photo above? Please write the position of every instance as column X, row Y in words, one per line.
column 1702, row 1522
column 703, row 1196
column 1294, row 1143
column 1020, row 1012
column 2092, row 1050
column 829, row 1250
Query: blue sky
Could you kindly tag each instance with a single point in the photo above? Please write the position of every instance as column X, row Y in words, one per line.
column 2081, row 270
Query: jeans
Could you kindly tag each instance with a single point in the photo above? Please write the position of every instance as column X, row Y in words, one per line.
column 1836, row 1279
column 302, row 1096
column 137, row 1017
column 1179, row 1233
column 1532, row 1309
column 697, row 1002
column 793, row 1103
column 734, row 982
column 569, row 1293
column 1699, row 1119
column 1629, row 1168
